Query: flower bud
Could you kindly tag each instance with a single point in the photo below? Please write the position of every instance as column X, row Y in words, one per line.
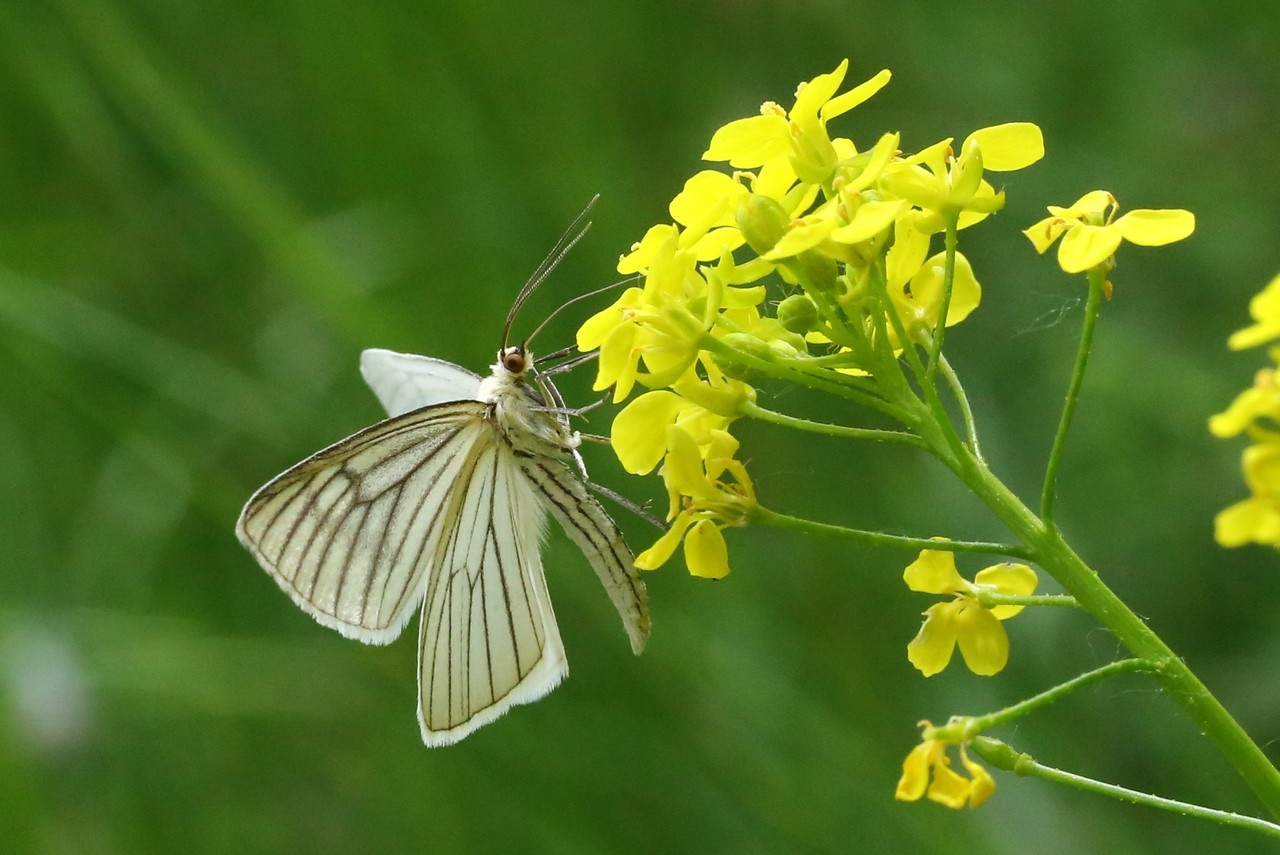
column 747, row 344
column 798, row 313
column 762, row 222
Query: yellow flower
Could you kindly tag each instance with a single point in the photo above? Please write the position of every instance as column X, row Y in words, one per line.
column 1265, row 309
column 799, row 134
column 962, row 621
column 656, row 324
column 696, row 405
column 915, row 283
column 1091, row 233
column 1256, row 519
column 701, row 502
column 1254, row 408
column 938, row 182
column 927, row 771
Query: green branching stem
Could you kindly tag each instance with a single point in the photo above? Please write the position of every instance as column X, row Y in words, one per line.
column 997, row 753
column 991, row 599
column 963, row 728
column 755, row 411
column 1047, row 548
column 763, row 516
column 962, row 401
column 834, row 385
column 1097, row 290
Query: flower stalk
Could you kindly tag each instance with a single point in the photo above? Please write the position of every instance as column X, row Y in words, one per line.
column 845, row 239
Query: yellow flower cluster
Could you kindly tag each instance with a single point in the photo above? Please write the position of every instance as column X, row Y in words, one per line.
column 1256, row 412
column 847, row 233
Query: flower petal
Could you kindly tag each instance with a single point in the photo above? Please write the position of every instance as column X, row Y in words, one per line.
column 750, row 142
column 931, row 649
column 705, row 552
column 934, row 572
column 1013, row 145
column 949, row 788
column 982, row 640
column 658, row 554
column 1085, row 246
column 855, row 96
column 915, row 773
column 639, row 431
column 1156, row 228
column 1249, row 521
column 1008, row 578
column 983, row 785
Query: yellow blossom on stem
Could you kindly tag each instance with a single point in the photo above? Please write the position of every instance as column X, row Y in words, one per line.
column 962, row 621
column 915, row 283
column 944, row 185
column 701, row 502
column 1091, row 232
column 1257, row 518
column 927, row 771
column 1264, row 308
column 799, row 134
column 696, row 405
column 1256, row 409
column 659, row 324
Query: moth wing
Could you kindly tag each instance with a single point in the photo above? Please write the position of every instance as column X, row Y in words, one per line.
column 406, row 381
column 589, row 526
column 488, row 635
column 348, row 533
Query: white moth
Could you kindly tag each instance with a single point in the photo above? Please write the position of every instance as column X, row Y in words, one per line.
column 444, row 505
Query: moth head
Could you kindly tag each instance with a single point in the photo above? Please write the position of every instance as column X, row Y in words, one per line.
column 515, row 359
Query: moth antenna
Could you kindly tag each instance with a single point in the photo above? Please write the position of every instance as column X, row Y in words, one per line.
column 588, row 295
column 577, row 229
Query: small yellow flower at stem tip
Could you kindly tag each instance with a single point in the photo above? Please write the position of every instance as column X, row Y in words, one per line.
column 1256, row 519
column 962, row 621
column 701, row 502
column 1264, row 308
column 1091, row 233
column 927, row 771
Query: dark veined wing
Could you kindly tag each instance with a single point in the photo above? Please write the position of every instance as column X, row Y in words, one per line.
column 588, row 525
column 345, row 532
column 429, row 502
column 488, row 636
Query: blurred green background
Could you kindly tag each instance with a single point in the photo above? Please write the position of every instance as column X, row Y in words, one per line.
column 209, row 209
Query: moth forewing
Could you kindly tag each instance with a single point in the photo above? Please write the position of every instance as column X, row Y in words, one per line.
column 335, row 530
column 543, row 441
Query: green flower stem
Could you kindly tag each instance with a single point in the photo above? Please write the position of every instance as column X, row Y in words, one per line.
column 835, row 385
column 755, row 411
column 879, row 282
column 948, row 283
column 1097, row 289
column 998, row 755
column 962, row 400
column 1046, row 547
column 991, row 599
column 965, row 728
column 760, row 515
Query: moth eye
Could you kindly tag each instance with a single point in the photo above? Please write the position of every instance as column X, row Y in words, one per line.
column 514, row 360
